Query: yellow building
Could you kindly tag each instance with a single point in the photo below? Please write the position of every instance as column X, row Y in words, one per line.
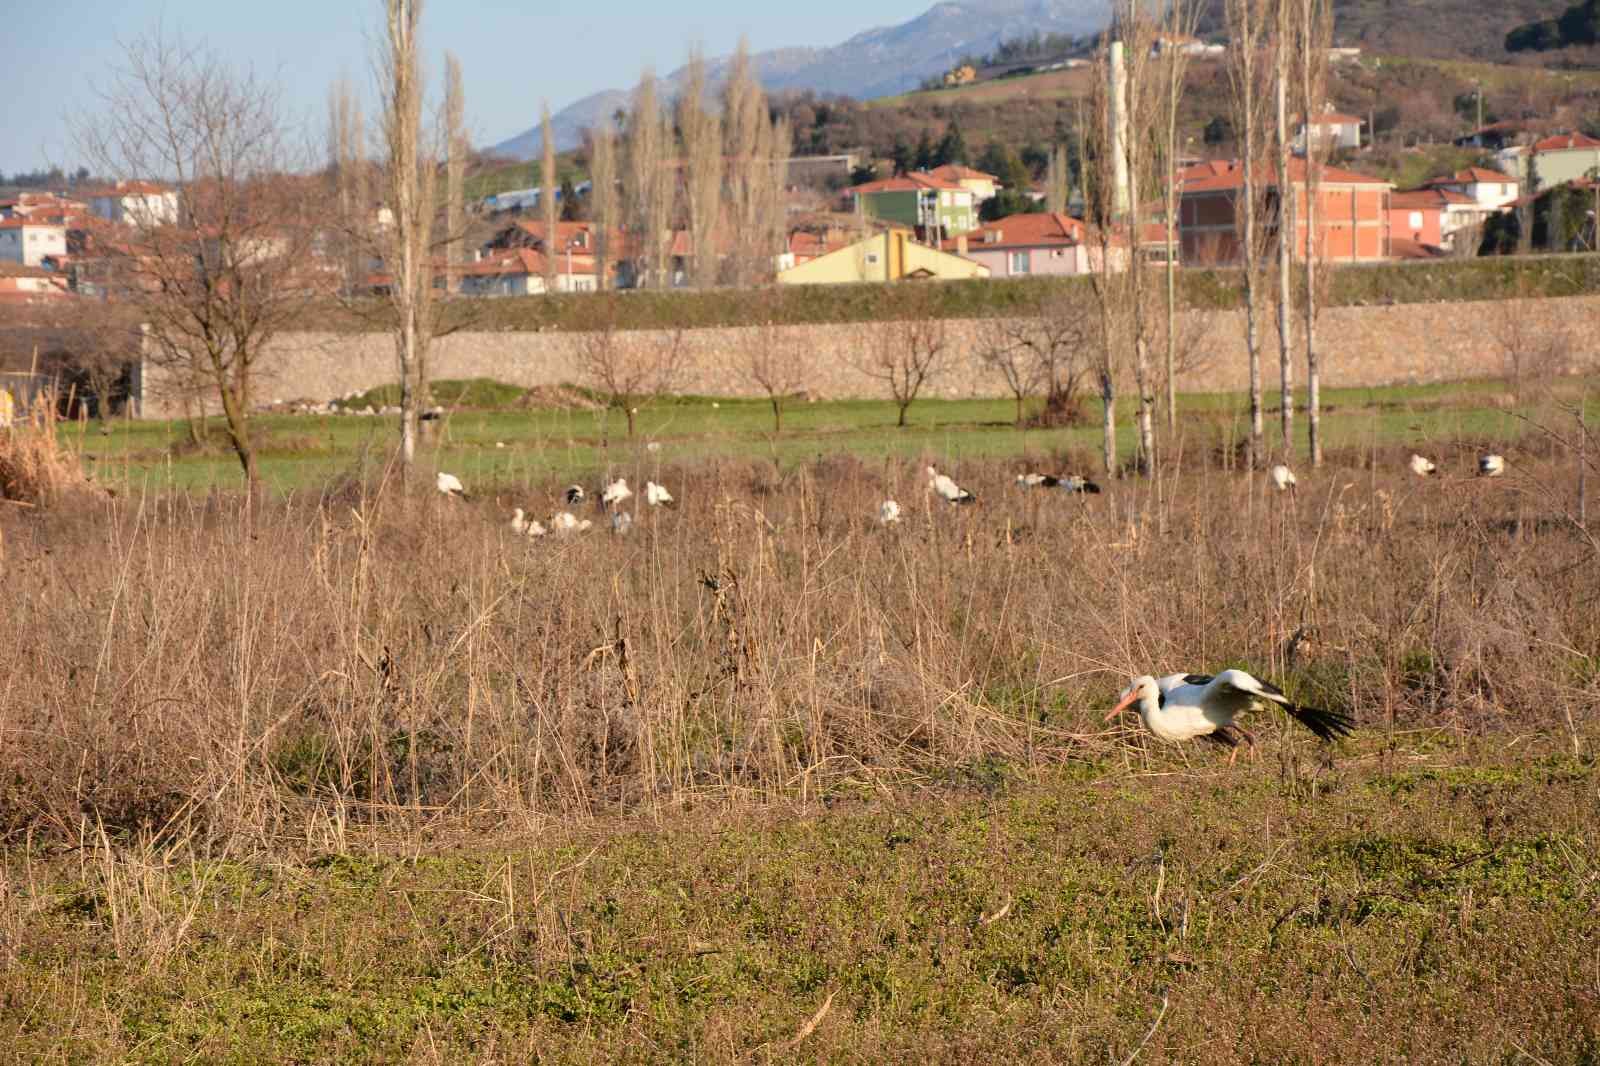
column 889, row 256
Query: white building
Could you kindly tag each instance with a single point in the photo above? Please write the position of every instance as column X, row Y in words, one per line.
column 1490, row 189
column 140, row 203
column 1330, row 130
column 25, row 242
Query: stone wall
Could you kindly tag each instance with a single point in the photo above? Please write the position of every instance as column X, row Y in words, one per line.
column 1360, row 346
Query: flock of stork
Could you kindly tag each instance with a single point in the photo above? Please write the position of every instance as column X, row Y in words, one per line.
column 1174, row 708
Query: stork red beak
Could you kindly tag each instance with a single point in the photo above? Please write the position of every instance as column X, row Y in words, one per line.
column 1127, row 701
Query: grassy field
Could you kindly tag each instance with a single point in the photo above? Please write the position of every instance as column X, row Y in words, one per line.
column 357, row 775
column 305, row 452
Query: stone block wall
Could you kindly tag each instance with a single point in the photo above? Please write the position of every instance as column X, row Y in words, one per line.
column 1360, row 346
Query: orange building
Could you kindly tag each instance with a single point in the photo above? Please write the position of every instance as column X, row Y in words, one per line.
column 1352, row 223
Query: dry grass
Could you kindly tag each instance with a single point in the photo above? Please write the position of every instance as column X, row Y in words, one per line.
column 364, row 674
column 36, row 467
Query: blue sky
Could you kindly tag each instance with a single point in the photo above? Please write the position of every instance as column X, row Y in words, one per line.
column 514, row 54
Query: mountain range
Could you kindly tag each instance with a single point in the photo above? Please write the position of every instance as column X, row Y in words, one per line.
column 877, row 62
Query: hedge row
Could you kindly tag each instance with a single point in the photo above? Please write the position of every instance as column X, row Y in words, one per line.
column 1388, row 283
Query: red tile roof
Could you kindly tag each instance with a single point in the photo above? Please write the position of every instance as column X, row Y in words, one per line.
column 1430, row 198
column 955, row 172
column 1564, row 141
column 1233, row 177
column 1030, row 230
column 914, row 180
column 1474, row 176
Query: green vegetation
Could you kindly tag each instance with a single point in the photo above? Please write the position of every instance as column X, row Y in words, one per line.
column 1388, row 283
column 1005, row 916
column 502, row 435
column 1577, row 25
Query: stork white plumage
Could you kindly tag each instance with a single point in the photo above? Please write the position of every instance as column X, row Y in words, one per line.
column 536, row 528
column 1064, row 482
column 450, row 485
column 1182, row 707
column 616, row 492
column 519, row 524
column 656, row 495
column 947, row 489
column 888, row 513
column 1491, row 465
column 1423, row 466
column 575, row 495
column 1282, row 477
column 564, row 522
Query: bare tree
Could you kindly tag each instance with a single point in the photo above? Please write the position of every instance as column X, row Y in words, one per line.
column 1283, row 42
column 628, row 369
column 702, row 148
column 1000, row 349
column 407, row 241
column 547, row 197
column 1245, row 21
column 351, row 174
column 1180, row 21
column 649, row 186
column 455, row 133
column 603, row 198
column 757, row 150
column 905, row 354
column 774, row 361
column 1316, row 35
column 217, row 269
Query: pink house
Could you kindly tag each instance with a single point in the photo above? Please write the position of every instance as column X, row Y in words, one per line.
column 1038, row 243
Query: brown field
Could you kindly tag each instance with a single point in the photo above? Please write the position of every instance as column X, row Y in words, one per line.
column 363, row 777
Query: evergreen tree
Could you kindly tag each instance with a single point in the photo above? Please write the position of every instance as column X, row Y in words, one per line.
column 952, row 146
column 924, row 156
column 901, row 155
column 570, row 208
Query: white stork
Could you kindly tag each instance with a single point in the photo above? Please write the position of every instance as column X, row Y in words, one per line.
column 450, row 485
column 616, row 492
column 575, row 495
column 1423, row 466
column 656, row 495
column 564, row 522
column 888, row 513
column 947, row 489
column 1064, row 482
column 519, row 524
column 1282, row 477
column 1491, row 465
column 536, row 528
column 1183, row 707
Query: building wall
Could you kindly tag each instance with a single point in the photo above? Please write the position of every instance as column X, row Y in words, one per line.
column 892, row 206
column 1046, row 260
column 29, row 245
column 1553, row 168
column 1417, row 224
column 1361, row 347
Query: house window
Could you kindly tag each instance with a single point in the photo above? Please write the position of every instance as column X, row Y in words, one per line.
column 872, row 257
column 1019, row 262
column 1416, row 220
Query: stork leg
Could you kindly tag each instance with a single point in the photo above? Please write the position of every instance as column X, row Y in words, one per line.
column 1250, row 741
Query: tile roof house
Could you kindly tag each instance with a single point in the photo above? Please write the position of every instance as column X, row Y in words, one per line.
column 1041, row 242
column 1329, row 130
column 1352, row 212
column 919, row 200
column 1429, row 216
column 138, row 202
column 892, row 255
column 1551, row 161
column 982, row 186
column 520, row 272
column 32, row 280
column 1490, row 188
column 25, row 241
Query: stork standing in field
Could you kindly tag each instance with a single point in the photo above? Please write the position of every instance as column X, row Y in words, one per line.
column 1282, row 477
column 519, row 524
column 1422, row 466
column 1183, row 707
column 947, row 489
column 656, row 495
column 1064, row 482
column 1491, row 465
column 564, row 522
column 575, row 495
column 616, row 492
column 450, row 485
column 888, row 513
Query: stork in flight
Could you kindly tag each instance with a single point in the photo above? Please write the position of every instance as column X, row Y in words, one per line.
column 1065, row 482
column 947, row 489
column 1491, row 465
column 450, row 485
column 1183, row 707
column 1423, row 466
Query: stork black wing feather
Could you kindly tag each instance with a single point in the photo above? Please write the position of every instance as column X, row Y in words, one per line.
column 1328, row 725
column 1197, row 679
